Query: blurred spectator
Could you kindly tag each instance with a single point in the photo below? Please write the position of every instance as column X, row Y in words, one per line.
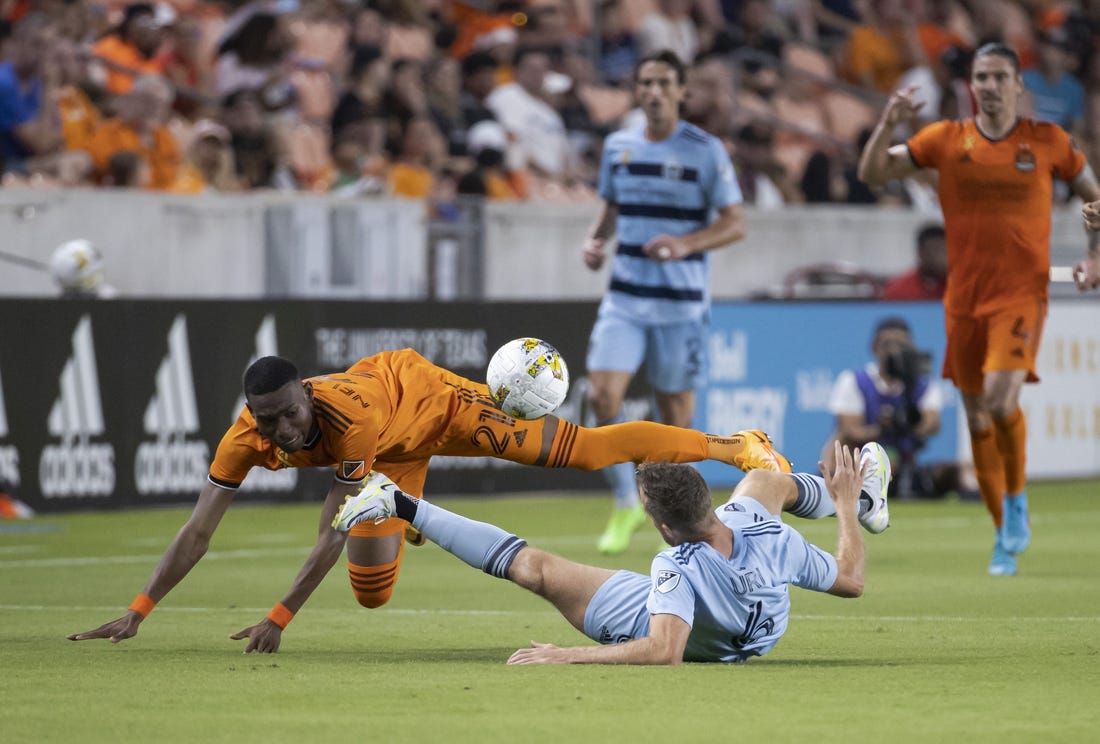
column 618, row 53
column 547, row 25
column 878, row 51
column 186, row 66
column 358, row 173
column 537, row 128
column 487, row 142
column 479, row 73
column 835, row 20
column 928, row 279
column 414, row 174
column 127, row 169
column 709, row 97
column 252, row 57
column 1056, row 95
column 830, row 177
column 362, row 102
column 28, row 125
column 258, row 159
column 445, row 103
column 763, row 180
column 404, row 100
column 139, row 127
column 669, row 26
column 131, row 49
column 209, row 164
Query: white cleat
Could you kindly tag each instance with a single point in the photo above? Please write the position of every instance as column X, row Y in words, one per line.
column 374, row 502
column 875, row 466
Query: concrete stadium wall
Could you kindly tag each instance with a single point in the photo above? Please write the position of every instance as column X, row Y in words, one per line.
column 301, row 245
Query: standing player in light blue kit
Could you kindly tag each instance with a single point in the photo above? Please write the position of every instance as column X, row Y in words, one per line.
column 670, row 195
column 719, row 594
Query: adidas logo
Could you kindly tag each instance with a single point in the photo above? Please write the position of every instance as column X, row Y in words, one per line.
column 172, row 463
column 76, row 466
column 262, row 479
column 9, row 456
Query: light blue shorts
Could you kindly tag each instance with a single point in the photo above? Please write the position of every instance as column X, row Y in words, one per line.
column 675, row 353
column 617, row 611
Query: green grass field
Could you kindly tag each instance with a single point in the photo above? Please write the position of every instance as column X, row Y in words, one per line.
column 936, row 650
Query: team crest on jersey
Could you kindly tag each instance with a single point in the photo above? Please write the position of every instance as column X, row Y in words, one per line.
column 1025, row 159
column 673, row 171
column 667, row 581
column 353, row 469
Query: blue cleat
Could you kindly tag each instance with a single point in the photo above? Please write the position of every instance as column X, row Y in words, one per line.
column 1003, row 563
column 1017, row 525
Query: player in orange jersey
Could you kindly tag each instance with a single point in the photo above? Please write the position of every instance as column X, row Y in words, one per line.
column 393, row 412
column 996, row 176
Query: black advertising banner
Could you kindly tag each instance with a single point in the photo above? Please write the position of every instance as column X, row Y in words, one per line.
column 122, row 402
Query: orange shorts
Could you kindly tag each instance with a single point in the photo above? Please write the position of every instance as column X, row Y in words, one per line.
column 1006, row 339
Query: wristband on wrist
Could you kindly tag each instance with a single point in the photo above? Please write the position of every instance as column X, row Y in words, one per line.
column 143, row 604
column 280, row 615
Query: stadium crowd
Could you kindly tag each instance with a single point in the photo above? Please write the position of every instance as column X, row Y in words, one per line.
column 510, row 100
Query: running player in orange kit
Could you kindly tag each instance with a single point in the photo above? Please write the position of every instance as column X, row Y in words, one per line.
column 996, row 176
column 391, row 412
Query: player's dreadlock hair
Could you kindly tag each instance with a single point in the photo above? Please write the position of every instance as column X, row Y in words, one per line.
column 675, row 494
column 268, row 374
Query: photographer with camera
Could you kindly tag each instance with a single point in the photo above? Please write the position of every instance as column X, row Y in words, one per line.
column 892, row 401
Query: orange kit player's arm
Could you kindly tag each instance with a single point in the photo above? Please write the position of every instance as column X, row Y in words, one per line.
column 1086, row 273
column 879, row 162
column 264, row 636
column 188, row 546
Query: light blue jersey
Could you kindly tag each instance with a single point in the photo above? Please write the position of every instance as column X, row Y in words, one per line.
column 737, row 607
column 670, row 187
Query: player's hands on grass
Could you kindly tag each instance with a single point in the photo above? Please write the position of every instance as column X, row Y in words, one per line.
column 1086, row 274
column 117, row 630
column 539, row 653
column 846, row 480
column 594, row 253
column 263, row 637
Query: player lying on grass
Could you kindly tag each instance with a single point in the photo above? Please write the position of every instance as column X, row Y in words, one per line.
column 718, row 594
column 391, row 412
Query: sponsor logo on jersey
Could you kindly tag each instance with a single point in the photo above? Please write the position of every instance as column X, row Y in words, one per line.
column 9, row 455
column 667, row 581
column 77, row 466
column 172, row 463
column 261, row 479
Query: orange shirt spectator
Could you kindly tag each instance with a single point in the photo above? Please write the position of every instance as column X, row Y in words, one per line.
column 123, row 62
column 160, row 150
column 79, row 117
column 411, row 181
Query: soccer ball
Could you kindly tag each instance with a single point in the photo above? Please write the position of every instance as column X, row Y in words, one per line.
column 527, row 378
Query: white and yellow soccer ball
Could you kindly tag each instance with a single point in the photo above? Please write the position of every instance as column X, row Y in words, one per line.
column 528, row 378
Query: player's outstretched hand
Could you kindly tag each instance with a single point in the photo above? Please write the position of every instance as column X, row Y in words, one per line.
column 845, row 481
column 117, row 630
column 539, row 653
column 901, row 107
column 263, row 637
column 1086, row 274
column 1091, row 214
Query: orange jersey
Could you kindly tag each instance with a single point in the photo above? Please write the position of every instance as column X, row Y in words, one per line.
column 124, row 63
column 996, row 198
column 395, row 407
column 161, row 151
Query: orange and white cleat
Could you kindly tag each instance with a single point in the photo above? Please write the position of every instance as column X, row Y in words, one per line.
column 759, row 454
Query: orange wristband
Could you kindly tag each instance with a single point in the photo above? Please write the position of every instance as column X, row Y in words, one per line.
column 142, row 605
column 280, row 615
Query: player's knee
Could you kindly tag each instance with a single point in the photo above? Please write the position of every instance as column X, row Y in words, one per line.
column 373, row 585
column 375, row 598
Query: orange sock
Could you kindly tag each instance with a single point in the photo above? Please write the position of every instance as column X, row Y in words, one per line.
column 634, row 441
column 373, row 585
column 989, row 469
column 1012, row 444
